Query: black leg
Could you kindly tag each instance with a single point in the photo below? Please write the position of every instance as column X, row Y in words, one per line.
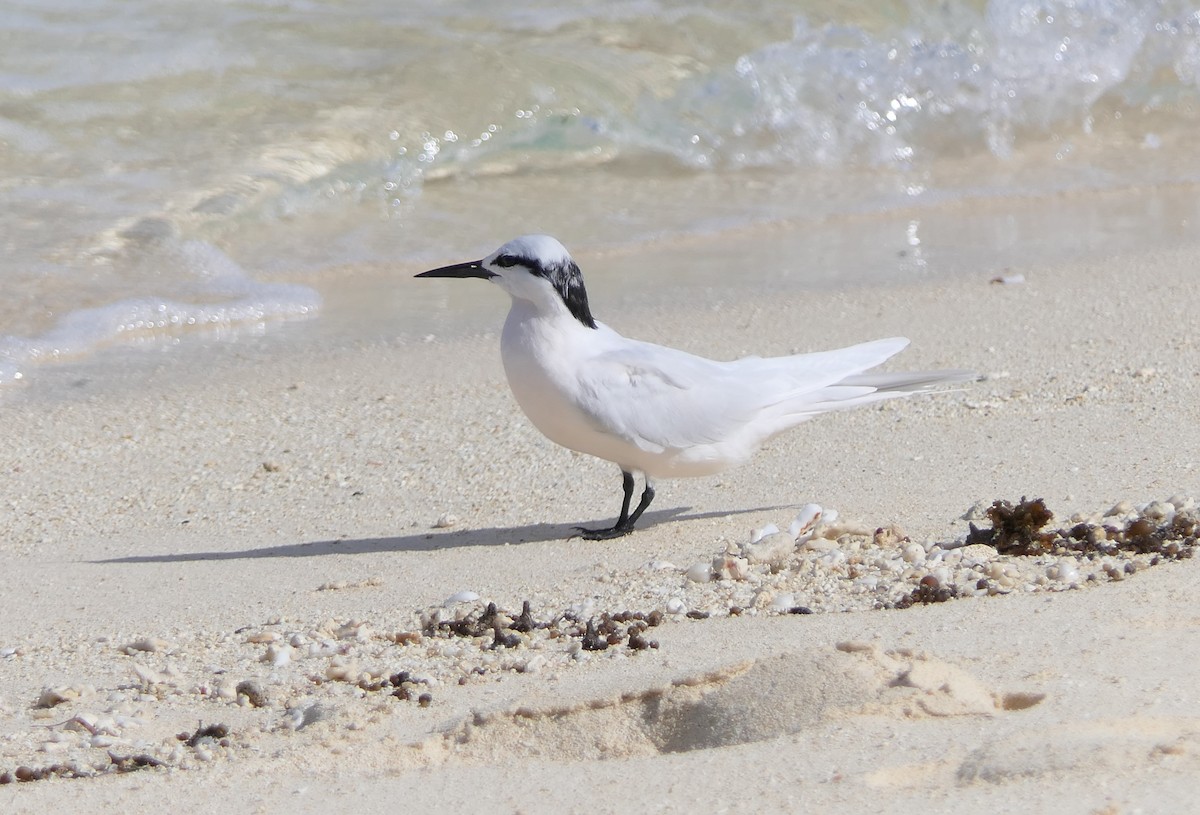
column 625, row 521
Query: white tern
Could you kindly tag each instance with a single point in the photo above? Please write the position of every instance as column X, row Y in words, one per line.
column 648, row 408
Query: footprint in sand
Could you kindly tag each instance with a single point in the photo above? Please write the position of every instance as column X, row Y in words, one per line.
column 744, row 703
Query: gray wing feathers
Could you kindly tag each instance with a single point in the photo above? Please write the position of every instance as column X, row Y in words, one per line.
column 659, row 398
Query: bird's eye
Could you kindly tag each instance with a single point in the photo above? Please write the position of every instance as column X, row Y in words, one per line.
column 504, row 261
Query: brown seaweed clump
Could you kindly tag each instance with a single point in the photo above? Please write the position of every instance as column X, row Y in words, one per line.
column 498, row 629
column 1016, row 530
column 1020, row 530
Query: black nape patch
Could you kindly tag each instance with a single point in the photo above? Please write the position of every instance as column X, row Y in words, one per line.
column 568, row 282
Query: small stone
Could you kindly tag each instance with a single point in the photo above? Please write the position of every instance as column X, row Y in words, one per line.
column 461, row 597
column 1120, row 508
column 699, row 573
column 856, row 647
column 52, row 697
column 145, row 645
column 254, row 692
column 445, row 521
column 676, row 606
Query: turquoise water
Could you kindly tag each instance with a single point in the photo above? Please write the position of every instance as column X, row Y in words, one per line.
column 171, row 169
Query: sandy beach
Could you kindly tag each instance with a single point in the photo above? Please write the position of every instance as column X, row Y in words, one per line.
column 274, row 558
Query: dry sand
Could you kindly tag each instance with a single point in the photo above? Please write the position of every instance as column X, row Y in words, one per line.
column 164, row 538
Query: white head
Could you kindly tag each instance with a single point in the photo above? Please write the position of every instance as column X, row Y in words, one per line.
column 535, row 268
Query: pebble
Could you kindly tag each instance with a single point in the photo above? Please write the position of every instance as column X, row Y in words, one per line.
column 253, row 691
column 699, row 573
column 842, row 566
column 51, row 697
column 147, row 645
column 782, row 603
column 445, row 521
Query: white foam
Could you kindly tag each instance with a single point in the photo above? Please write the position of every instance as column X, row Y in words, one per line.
column 239, row 303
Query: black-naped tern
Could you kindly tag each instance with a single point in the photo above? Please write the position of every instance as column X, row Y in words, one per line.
column 651, row 409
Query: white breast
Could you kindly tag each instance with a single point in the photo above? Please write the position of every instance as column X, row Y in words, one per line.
column 542, row 358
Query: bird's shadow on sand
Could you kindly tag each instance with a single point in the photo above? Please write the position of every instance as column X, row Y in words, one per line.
column 422, row 541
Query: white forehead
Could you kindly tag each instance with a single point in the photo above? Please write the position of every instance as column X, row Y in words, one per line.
column 542, row 248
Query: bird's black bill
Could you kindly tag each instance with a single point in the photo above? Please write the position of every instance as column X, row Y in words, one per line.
column 472, row 269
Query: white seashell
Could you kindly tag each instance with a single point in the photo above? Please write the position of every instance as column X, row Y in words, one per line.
column 783, row 603
column 445, row 520
column 659, row 566
column 676, row 606
column 914, row 553
column 762, row 532
column 804, row 523
column 726, row 567
column 532, row 665
column 699, row 573
column 7, row 652
column 774, row 549
column 278, row 655
column 461, row 597
column 1065, row 571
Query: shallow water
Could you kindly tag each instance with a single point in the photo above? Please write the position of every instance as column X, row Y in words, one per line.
column 175, row 171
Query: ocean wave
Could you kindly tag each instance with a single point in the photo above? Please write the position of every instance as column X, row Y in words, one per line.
column 948, row 81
